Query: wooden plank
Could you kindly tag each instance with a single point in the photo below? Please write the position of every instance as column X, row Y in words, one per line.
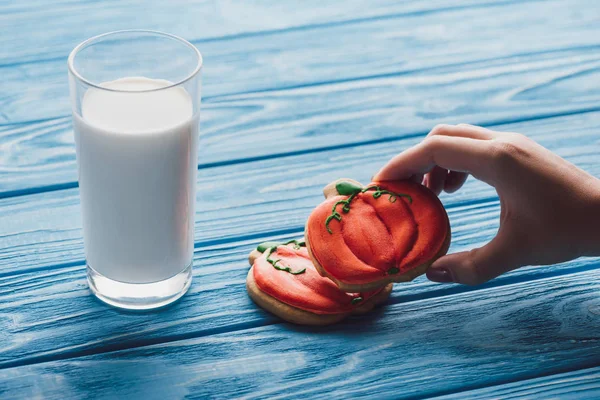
column 39, row 305
column 580, row 384
column 63, row 24
column 421, row 348
column 263, row 197
column 374, row 97
column 43, row 293
column 400, row 45
column 50, row 314
column 236, row 129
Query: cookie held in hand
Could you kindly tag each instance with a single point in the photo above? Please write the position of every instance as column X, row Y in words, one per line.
column 284, row 281
column 364, row 237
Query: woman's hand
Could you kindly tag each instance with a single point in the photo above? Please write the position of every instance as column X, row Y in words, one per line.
column 550, row 209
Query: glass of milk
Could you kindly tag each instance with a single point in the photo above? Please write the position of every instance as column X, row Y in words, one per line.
column 136, row 102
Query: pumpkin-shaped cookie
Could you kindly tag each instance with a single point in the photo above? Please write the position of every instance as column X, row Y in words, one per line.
column 284, row 281
column 364, row 237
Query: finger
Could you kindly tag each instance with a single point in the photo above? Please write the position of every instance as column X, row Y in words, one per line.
column 454, row 181
column 463, row 130
column 418, row 178
column 436, row 178
column 452, row 153
column 476, row 266
column 495, row 133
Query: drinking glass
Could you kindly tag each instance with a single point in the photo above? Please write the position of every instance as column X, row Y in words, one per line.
column 135, row 98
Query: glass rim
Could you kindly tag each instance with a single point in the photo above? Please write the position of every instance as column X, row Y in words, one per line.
column 85, row 43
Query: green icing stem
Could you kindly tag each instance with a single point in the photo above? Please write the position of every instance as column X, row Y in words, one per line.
column 356, row 300
column 277, row 267
column 297, row 243
column 271, row 247
column 345, row 188
column 266, row 245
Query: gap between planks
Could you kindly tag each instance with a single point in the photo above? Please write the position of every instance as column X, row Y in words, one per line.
column 314, row 84
column 317, row 26
column 540, row 387
column 294, row 231
column 525, row 377
column 444, row 291
column 191, row 357
column 396, row 74
column 216, row 164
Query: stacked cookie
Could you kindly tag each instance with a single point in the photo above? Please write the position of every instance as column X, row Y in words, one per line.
column 357, row 242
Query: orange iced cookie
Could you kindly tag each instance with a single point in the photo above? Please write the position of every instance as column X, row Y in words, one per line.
column 364, row 237
column 284, row 281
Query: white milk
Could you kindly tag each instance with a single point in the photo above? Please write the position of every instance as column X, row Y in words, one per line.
column 137, row 157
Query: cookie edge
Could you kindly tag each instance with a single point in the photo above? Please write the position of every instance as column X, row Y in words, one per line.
column 405, row 277
column 285, row 311
column 302, row 317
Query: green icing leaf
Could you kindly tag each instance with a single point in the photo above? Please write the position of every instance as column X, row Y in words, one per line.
column 267, row 245
column 347, row 188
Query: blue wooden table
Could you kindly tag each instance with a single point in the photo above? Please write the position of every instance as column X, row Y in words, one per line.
column 297, row 94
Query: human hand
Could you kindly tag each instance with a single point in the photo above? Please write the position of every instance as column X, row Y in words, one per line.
column 550, row 209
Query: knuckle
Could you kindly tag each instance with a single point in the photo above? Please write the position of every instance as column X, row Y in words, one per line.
column 477, row 275
column 503, row 153
column 432, row 142
column 440, row 129
column 518, row 136
column 520, row 141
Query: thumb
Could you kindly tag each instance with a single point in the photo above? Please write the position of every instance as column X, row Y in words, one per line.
column 476, row 266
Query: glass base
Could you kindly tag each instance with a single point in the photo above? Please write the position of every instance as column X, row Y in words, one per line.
column 139, row 296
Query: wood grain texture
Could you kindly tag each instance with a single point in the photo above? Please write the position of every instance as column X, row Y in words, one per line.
column 390, row 44
column 416, row 71
column 339, row 89
column 49, row 315
column 47, row 312
column 51, row 32
column 581, row 384
column 238, row 58
column 419, row 348
column 265, row 197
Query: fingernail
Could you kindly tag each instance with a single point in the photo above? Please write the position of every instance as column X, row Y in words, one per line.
column 439, row 275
